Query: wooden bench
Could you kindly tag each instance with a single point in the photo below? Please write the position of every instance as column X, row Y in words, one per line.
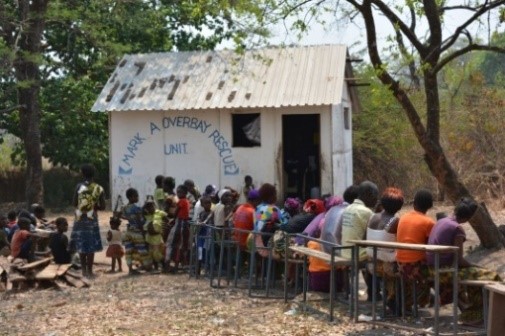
column 337, row 261
column 436, row 249
column 334, row 262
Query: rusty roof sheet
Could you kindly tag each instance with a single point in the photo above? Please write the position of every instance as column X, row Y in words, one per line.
column 275, row 77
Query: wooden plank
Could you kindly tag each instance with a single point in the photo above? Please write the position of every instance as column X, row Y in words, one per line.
column 404, row 246
column 35, row 264
column 73, row 281
column 497, row 287
column 63, row 269
column 477, row 283
column 338, row 261
column 48, row 273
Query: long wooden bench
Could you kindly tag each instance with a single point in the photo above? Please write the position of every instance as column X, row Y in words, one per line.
column 336, row 262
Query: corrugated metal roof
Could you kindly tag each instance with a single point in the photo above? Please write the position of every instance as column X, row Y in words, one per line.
column 277, row 77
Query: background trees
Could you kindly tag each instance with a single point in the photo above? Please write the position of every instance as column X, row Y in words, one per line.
column 421, row 45
column 56, row 55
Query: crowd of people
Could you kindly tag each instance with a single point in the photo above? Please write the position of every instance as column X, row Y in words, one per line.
column 156, row 234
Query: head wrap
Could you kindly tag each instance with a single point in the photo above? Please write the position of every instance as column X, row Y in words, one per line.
column 210, row 190
column 222, row 192
column 332, row 201
column 292, row 204
column 253, row 194
column 315, row 206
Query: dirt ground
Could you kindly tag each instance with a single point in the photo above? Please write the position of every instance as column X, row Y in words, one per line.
column 159, row 304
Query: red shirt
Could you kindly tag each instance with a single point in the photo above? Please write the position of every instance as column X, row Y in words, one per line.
column 183, row 209
column 243, row 219
column 18, row 239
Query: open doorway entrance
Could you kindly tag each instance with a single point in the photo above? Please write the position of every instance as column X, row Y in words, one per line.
column 301, row 149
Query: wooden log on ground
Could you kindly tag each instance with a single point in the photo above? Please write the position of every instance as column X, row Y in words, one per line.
column 35, row 264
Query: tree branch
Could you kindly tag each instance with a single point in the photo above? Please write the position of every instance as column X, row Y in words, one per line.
column 395, row 20
column 483, row 9
column 393, row 85
column 462, row 51
column 10, row 109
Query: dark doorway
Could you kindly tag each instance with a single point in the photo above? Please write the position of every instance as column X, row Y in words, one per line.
column 301, row 149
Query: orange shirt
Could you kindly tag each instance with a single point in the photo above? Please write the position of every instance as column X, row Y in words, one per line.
column 243, row 219
column 316, row 264
column 413, row 228
column 17, row 241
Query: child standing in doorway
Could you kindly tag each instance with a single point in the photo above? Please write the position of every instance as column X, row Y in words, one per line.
column 115, row 250
column 248, row 186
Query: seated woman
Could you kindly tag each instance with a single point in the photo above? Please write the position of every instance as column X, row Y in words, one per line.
column 449, row 231
column 382, row 227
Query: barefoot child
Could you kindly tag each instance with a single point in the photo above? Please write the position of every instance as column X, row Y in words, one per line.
column 58, row 242
column 133, row 240
column 154, row 219
column 115, row 250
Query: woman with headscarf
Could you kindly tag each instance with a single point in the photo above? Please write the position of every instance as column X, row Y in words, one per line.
column 85, row 238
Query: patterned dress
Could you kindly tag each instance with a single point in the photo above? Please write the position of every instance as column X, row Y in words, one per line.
column 85, row 237
column 133, row 239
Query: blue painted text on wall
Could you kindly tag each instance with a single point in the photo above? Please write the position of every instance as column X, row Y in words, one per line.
column 180, row 121
column 225, row 153
column 178, row 148
column 130, row 153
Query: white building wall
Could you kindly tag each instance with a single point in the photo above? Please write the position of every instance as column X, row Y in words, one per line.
column 198, row 145
column 342, row 146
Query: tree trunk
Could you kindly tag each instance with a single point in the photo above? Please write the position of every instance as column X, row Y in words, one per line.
column 32, row 15
column 481, row 222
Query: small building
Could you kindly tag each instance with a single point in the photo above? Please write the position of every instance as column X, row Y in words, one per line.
column 280, row 115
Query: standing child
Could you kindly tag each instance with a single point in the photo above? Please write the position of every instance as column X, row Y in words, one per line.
column 115, row 250
column 205, row 219
column 177, row 241
column 133, row 240
column 248, row 186
column 159, row 193
column 154, row 219
column 58, row 242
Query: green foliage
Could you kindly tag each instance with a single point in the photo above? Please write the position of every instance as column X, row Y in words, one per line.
column 493, row 64
column 83, row 41
column 384, row 147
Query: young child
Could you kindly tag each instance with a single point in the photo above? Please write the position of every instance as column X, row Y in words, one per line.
column 204, row 218
column 22, row 244
column 115, row 250
column 12, row 216
column 4, row 232
column 159, row 193
column 133, row 240
column 248, row 186
column 58, row 242
column 154, row 219
column 177, row 241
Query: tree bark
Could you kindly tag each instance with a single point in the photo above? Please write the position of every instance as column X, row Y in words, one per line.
column 32, row 18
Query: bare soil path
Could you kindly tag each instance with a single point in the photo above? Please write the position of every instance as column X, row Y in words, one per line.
column 158, row 304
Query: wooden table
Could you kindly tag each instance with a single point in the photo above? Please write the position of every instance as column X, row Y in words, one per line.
column 436, row 249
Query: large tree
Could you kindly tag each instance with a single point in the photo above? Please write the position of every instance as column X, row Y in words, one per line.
column 426, row 38
column 55, row 55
